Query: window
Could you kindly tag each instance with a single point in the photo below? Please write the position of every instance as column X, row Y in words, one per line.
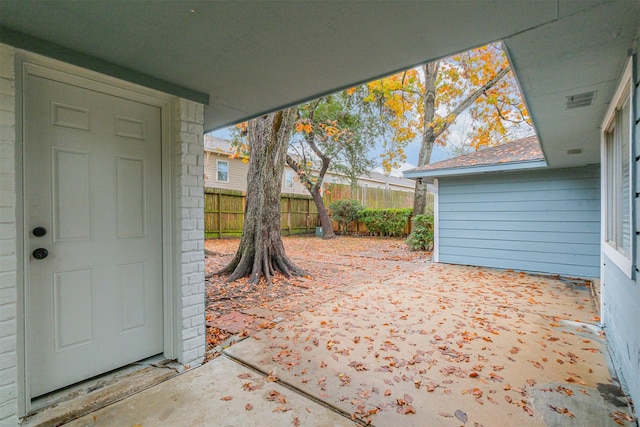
column 222, row 171
column 616, row 163
column 288, row 179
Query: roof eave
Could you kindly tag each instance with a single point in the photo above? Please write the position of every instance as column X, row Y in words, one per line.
column 472, row 170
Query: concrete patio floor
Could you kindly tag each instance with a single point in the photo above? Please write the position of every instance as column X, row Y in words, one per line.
column 443, row 346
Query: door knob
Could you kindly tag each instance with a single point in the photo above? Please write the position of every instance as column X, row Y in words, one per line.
column 40, row 253
column 39, row 231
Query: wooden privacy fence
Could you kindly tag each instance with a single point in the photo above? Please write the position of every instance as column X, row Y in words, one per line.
column 372, row 198
column 224, row 209
column 224, row 213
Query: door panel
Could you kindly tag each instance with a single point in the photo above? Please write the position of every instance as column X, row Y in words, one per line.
column 71, row 194
column 93, row 180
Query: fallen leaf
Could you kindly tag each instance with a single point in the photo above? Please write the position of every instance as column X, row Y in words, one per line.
column 271, row 377
column 560, row 410
column 536, row 364
column 406, row 409
column 226, row 398
column 248, row 406
column 620, row 417
column 495, row 377
column 460, row 415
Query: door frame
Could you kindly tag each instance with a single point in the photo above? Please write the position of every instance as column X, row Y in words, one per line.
column 32, row 64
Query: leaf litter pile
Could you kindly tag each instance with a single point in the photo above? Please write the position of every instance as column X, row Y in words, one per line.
column 391, row 339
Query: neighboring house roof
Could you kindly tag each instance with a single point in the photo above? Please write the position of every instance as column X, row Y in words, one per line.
column 394, row 180
column 217, row 145
column 520, row 154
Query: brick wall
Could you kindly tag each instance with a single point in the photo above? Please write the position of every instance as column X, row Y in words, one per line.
column 189, row 233
column 8, row 262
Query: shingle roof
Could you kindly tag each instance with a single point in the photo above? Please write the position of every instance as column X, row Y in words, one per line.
column 521, row 150
column 218, row 145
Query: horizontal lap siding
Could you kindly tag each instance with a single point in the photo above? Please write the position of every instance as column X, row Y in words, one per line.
column 546, row 221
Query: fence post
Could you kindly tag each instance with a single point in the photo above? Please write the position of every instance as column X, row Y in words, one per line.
column 219, row 215
column 289, row 215
column 308, row 213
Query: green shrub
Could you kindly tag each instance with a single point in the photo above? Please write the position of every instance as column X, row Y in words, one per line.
column 385, row 222
column 344, row 212
column 421, row 237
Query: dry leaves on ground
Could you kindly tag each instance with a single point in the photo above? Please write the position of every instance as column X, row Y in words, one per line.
column 332, row 265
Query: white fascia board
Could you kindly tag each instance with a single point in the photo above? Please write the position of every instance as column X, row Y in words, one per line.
column 470, row 170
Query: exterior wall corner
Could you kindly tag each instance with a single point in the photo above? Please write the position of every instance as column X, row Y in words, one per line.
column 8, row 241
column 188, row 226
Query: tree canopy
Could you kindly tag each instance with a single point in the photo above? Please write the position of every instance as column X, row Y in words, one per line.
column 426, row 101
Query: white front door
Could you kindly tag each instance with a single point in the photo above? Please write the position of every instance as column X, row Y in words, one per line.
column 92, row 185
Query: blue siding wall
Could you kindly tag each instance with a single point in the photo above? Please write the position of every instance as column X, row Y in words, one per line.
column 545, row 221
column 621, row 295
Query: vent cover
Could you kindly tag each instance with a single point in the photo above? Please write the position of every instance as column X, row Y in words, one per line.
column 580, row 100
column 575, row 151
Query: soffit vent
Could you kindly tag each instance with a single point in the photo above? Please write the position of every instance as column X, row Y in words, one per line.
column 580, row 100
column 575, row 151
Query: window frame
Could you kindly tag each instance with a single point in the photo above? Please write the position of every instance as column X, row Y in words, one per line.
column 288, row 177
column 226, row 162
column 623, row 95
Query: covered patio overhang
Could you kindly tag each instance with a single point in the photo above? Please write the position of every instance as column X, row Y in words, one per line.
column 243, row 59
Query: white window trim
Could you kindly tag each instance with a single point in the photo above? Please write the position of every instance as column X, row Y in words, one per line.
column 218, row 168
column 623, row 90
column 436, row 221
column 286, row 178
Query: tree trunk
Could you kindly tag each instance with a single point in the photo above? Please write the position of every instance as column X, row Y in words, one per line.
column 428, row 133
column 323, row 215
column 314, row 190
column 261, row 252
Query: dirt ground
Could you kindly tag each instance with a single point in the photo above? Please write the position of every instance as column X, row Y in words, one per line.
column 332, row 266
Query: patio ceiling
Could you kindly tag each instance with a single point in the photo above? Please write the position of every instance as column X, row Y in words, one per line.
column 248, row 58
